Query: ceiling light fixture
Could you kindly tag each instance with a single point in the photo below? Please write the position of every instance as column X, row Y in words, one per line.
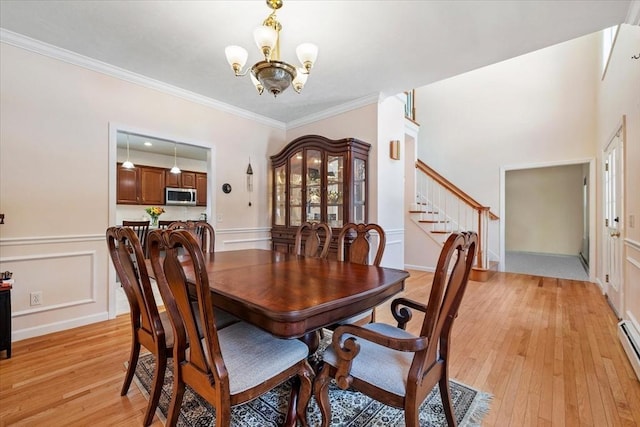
column 127, row 164
column 272, row 74
column 175, row 168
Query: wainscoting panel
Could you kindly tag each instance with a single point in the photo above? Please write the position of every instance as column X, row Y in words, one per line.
column 630, row 325
column 233, row 239
column 394, row 250
column 55, row 289
column 69, row 275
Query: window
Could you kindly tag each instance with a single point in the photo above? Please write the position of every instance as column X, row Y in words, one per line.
column 608, row 40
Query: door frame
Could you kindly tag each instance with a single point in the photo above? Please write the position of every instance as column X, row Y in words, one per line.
column 592, row 205
column 114, row 128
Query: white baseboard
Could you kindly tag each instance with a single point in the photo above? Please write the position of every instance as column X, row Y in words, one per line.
column 40, row 330
column 419, row 268
column 629, row 337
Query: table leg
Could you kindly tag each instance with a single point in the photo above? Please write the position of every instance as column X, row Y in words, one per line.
column 312, row 340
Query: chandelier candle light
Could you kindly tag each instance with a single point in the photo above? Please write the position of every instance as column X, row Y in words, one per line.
column 272, row 74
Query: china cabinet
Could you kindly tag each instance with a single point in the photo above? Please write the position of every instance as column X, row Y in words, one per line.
column 316, row 179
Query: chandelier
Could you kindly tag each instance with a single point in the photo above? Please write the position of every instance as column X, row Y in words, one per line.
column 273, row 74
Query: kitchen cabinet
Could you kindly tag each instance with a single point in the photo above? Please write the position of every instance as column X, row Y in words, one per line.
column 145, row 185
column 142, row 185
column 188, row 179
column 151, row 186
column 201, row 189
column 184, row 179
column 172, row 179
column 316, row 179
column 127, row 185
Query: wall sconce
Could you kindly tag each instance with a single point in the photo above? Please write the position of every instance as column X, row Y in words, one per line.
column 394, row 149
column 249, row 180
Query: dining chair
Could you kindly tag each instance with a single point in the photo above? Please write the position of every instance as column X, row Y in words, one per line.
column 141, row 228
column 201, row 230
column 393, row 366
column 227, row 367
column 359, row 251
column 315, row 245
column 163, row 224
column 149, row 327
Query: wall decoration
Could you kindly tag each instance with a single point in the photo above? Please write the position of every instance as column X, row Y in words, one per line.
column 394, row 149
column 249, row 180
column 226, row 188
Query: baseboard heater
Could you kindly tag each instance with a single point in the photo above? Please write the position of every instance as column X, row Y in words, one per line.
column 631, row 344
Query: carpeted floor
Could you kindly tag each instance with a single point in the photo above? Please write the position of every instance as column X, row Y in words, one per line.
column 349, row 408
column 547, row 265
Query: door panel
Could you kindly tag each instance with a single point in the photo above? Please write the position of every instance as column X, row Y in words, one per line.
column 612, row 223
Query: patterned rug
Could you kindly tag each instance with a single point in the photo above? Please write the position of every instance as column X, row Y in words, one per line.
column 348, row 407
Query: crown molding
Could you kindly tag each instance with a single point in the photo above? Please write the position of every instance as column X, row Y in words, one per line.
column 633, row 14
column 335, row 111
column 36, row 46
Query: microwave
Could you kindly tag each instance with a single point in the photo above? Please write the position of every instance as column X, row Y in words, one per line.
column 180, row 196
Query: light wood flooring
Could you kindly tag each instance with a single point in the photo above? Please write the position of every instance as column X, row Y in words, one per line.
column 545, row 348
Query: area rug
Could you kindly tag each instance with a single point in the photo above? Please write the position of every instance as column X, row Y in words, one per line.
column 348, row 407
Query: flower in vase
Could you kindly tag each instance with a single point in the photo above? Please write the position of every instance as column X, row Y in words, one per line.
column 154, row 212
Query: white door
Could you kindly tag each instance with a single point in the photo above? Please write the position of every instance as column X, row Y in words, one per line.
column 613, row 222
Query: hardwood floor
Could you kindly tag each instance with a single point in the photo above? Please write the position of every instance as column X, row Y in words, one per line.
column 545, row 348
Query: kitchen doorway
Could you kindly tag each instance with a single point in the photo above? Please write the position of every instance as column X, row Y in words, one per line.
column 157, row 150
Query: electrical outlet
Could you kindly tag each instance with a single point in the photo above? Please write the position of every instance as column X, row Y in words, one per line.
column 36, row 298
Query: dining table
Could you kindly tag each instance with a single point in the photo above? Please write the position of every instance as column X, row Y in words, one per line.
column 293, row 296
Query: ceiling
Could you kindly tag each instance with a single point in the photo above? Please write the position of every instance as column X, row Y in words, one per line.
column 148, row 144
column 366, row 48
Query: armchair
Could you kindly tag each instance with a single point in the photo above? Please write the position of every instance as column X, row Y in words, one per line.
column 390, row 364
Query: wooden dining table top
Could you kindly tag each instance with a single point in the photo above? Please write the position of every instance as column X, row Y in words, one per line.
column 290, row 295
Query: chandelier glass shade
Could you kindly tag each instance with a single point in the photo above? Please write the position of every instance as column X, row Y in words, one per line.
column 271, row 73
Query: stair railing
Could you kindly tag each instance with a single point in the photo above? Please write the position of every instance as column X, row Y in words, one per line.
column 447, row 208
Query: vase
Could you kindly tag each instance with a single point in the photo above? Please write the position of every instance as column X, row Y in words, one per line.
column 154, row 221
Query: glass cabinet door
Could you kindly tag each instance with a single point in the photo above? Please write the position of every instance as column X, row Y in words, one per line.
column 280, row 198
column 295, row 190
column 314, row 186
column 335, row 191
column 359, row 190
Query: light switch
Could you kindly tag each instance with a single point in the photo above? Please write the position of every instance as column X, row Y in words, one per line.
column 632, row 220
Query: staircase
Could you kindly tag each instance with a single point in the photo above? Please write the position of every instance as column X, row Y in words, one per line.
column 442, row 208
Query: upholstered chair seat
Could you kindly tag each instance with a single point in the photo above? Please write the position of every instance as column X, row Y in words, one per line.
column 379, row 366
column 248, row 368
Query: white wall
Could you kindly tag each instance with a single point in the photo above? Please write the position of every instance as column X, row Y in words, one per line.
column 389, row 186
column 376, row 124
column 618, row 95
column 56, row 179
column 531, row 110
